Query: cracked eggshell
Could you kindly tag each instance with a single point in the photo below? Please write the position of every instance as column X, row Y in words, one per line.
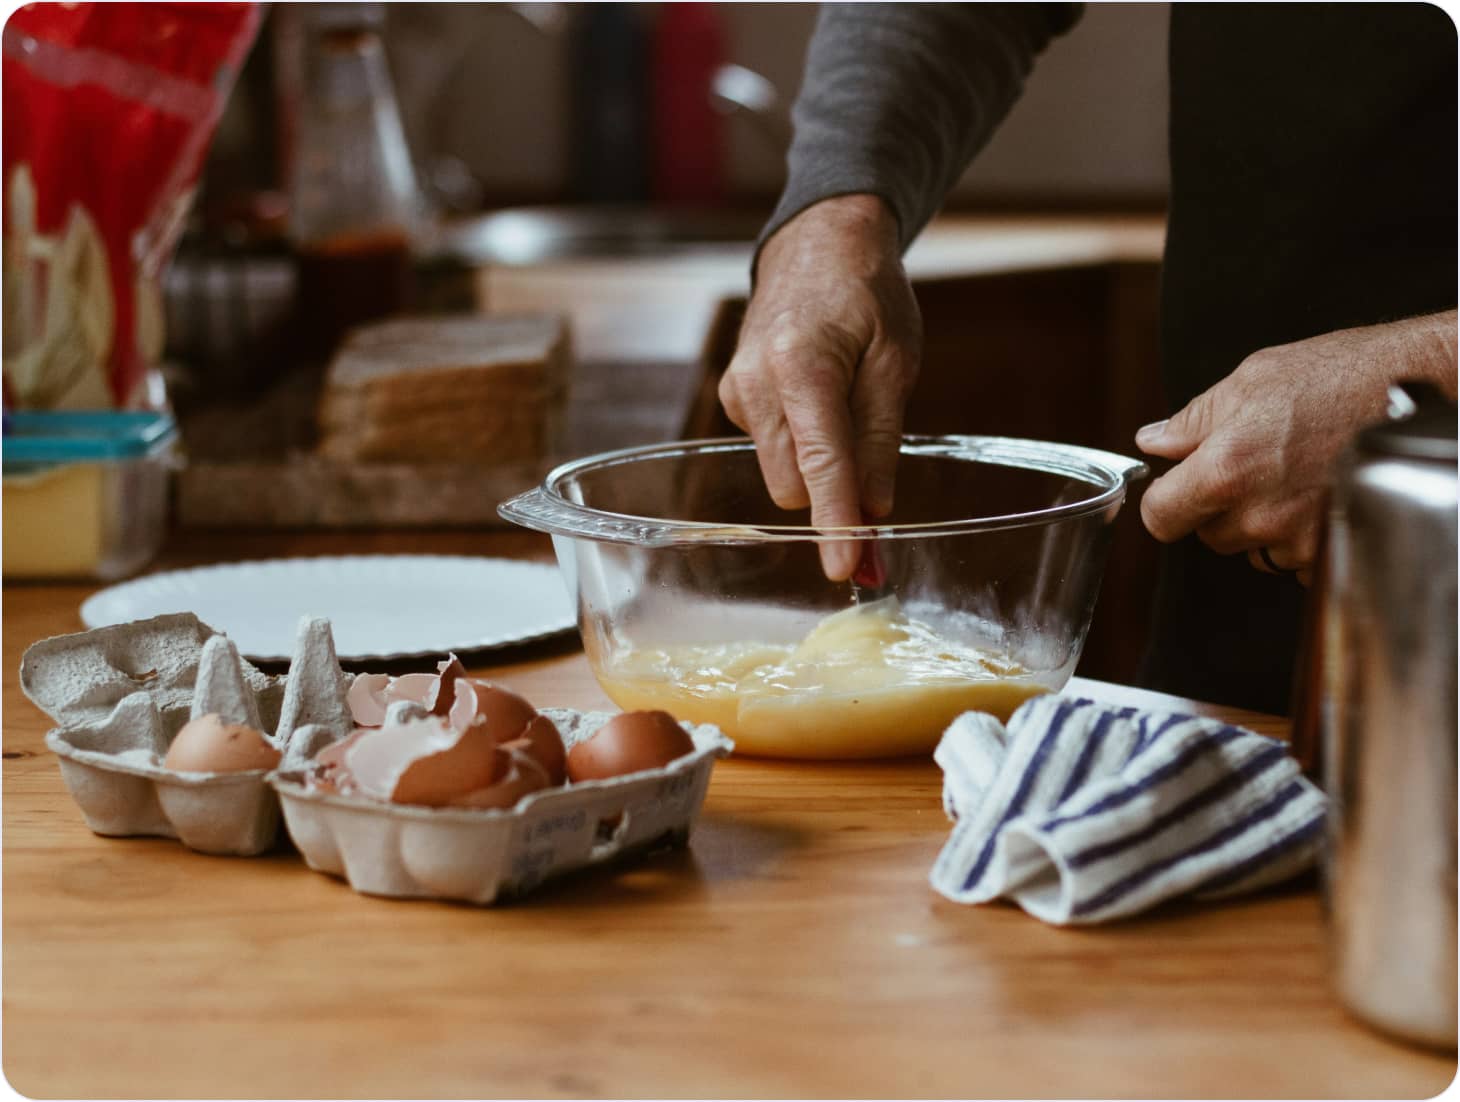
column 517, row 774
column 502, row 712
column 424, row 761
column 366, row 699
column 448, row 672
column 418, row 688
column 541, row 742
column 449, row 693
column 479, row 855
column 372, row 696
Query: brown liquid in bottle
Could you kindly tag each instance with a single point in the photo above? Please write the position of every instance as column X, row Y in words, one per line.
column 347, row 280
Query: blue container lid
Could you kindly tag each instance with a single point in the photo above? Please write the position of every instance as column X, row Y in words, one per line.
column 33, row 439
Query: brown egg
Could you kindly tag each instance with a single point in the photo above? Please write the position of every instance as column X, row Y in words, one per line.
column 504, row 714
column 628, row 743
column 542, row 743
column 520, row 775
column 423, row 761
column 210, row 744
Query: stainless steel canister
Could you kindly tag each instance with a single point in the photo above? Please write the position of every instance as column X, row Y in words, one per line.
column 1389, row 723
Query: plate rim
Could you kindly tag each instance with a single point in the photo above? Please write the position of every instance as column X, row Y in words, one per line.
column 569, row 623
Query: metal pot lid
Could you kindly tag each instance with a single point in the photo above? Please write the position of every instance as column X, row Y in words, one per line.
column 1424, row 427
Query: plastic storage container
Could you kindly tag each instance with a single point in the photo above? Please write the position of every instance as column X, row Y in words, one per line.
column 85, row 493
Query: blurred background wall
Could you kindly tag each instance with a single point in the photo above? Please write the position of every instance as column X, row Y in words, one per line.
column 491, row 85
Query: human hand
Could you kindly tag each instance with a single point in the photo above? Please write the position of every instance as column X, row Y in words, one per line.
column 1257, row 450
column 826, row 360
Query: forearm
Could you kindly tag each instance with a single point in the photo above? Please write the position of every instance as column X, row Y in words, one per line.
column 897, row 98
column 1428, row 350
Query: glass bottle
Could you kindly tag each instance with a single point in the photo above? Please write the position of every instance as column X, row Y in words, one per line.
column 354, row 203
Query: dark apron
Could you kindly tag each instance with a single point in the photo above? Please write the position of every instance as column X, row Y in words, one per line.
column 1313, row 188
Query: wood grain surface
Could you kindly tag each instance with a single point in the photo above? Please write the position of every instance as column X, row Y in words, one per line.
column 794, row 949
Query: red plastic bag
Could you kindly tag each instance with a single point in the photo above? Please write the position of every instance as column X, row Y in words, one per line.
column 108, row 110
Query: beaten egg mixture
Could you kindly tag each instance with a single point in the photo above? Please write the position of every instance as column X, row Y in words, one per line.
column 866, row 682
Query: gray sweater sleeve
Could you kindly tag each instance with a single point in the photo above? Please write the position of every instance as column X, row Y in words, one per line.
column 897, row 98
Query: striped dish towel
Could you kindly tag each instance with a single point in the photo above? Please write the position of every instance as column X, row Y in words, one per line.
column 1081, row 812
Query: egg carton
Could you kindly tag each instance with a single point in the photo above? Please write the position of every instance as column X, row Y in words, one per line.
column 120, row 694
column 481, row 856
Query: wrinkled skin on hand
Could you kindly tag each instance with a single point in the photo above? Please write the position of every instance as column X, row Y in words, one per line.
column 1256, row 452
column 827, row 357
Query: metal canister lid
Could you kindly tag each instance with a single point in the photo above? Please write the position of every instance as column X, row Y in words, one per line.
column 1424, row 425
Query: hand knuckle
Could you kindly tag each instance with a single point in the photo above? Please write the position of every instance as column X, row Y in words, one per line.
column 817, row 459
column 1154, row 515
column 728, row 388
column 1228, row 468
column 878, row 447
column 1192, row 418
column 785, row 338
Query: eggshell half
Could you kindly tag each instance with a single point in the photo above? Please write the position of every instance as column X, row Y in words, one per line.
column 329, row 771
column 442, row 697
column 418, row 687
column 210, row 744
column 425, row 761
column 520, row 775
column 503, row 713
column 544, row 745
column 366, row 699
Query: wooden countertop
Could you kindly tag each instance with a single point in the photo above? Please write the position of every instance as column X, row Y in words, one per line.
column 795, row 949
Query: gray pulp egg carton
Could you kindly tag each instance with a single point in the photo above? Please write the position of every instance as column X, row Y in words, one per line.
column 479, row 856
column 120, row 694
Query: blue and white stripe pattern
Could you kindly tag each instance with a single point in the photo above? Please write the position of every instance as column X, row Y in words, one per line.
column 1082, row 813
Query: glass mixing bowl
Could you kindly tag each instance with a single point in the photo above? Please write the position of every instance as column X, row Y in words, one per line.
column 698, row 595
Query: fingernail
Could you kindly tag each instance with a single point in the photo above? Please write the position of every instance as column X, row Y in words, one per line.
column 838, row 560
column 1150, row 434
column 877, row 495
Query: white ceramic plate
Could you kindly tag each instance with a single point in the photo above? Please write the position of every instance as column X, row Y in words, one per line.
column 381, row 606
